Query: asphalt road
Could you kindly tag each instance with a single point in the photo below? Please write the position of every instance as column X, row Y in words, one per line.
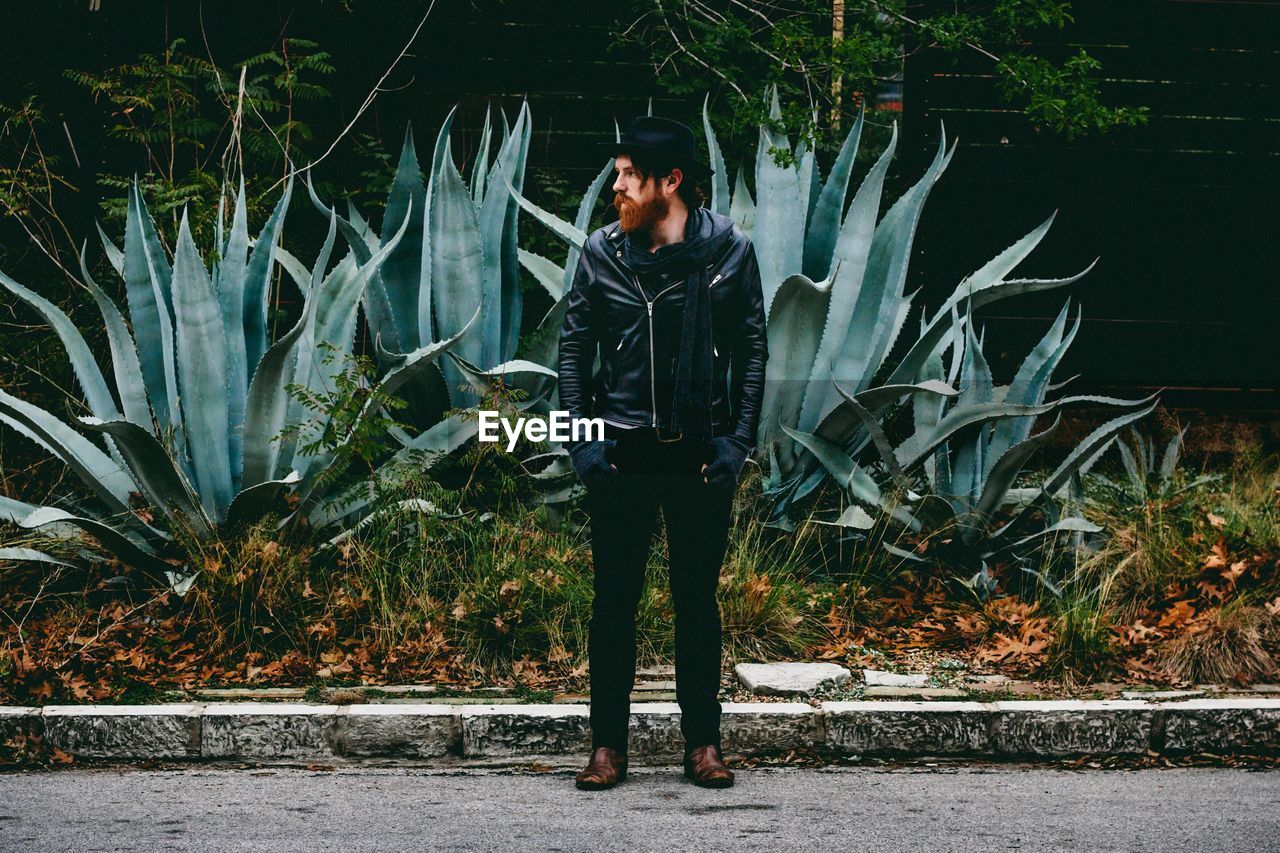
column 357, row 809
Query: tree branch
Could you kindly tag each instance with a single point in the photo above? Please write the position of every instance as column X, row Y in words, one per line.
column 368, row 102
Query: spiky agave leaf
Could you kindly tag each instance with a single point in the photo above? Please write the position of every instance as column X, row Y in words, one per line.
column 793, row 341
column 128, row 548
column 127, row 370
column 839, row 328
column 719, row 176
column 148, row 279
column 158, row 475
column 201, row 352
column 499, row 234
column 92, row 383
column 781, row 209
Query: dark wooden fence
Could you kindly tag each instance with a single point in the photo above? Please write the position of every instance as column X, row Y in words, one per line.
column 1182, row 212
column 565, row 56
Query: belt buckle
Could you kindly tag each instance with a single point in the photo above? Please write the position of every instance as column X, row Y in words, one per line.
column 661, row 440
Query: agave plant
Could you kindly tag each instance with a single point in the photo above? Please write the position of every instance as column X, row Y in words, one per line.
column 192, row 421
column 466, row 259
column 975, row 470
column 1149, row 473
column 459, row 256
column 969, row 448
column 457, row 262
column 835, row 324
column 834, row 281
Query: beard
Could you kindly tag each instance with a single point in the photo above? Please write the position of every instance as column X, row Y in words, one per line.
column 640, row 216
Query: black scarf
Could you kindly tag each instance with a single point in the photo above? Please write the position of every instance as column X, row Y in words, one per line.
column 706, row 235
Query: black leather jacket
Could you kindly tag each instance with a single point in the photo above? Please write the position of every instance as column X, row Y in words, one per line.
column 638, row 338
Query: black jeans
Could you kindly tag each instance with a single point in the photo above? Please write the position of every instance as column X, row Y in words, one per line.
column 623, row 514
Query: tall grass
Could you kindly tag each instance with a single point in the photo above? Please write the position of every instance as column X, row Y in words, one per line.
column 1161, row 543
column 1170, row 547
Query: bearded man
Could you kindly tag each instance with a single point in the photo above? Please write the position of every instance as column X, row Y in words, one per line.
column 669, row 298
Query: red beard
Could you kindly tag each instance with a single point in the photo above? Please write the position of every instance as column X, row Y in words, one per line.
column 640, row 217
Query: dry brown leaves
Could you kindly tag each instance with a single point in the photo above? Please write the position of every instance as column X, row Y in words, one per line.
column 1019, row 635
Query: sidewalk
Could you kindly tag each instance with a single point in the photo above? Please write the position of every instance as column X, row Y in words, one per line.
column 290, row 732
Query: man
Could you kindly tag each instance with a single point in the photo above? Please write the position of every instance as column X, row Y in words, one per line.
column 670, row 299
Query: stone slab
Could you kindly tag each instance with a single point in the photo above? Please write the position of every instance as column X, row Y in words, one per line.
column 906, row 728
column 790, row 679
column 880, row 678
column 988, row 679
column 398, row 689
column 654, row 731
column 19, row 718
column 250, row 694
column 1072, row 727
column 504, row 730
column 745, row 728
column 124, row 731
column 470, row 700
column 1160, row 695
column 1222, row 726
column 1105, row 688
column 398, row 731
column 1017, row 688
column 1252, row 688
column 755, row 728
column 884, row 691
column 267, row 731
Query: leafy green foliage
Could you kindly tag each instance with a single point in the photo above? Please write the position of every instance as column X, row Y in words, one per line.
column 1064, row 98
column 194, row 123
column 824, row 74
column 372, row 180
column 28, row 179
column 351, row 421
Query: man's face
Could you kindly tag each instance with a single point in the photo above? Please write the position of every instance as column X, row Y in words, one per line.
column 641, row 203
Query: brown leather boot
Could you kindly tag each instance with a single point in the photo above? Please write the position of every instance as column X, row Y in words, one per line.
column 604, row 769
column 705, row 767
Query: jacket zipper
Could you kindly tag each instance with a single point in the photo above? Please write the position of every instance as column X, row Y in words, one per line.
column 653, row 382
column 711, row 319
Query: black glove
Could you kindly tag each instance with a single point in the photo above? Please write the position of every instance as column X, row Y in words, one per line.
column 590, row 462
column 729, row 455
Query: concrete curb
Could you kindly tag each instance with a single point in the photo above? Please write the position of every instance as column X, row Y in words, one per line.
column 299, row 732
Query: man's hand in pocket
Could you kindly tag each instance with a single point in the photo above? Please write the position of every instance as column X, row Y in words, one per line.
column 728, row 456
column 590, row 462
